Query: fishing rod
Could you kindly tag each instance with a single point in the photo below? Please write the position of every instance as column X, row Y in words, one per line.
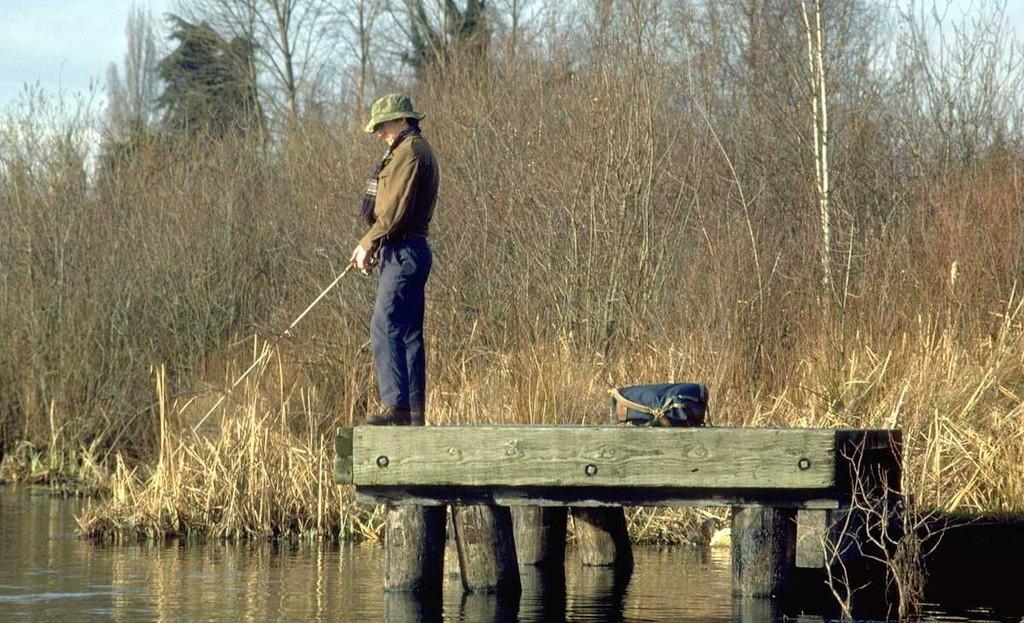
column 267, row 350
column 288, row 332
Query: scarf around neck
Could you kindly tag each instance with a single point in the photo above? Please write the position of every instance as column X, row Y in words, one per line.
column 370, row 196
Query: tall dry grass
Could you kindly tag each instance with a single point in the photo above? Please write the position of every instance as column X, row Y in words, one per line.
column 245, row 473
column 607, row 216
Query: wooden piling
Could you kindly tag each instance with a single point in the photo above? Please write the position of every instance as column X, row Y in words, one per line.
column 451, row 552
column 486, row 545
column 602, row 537
column 812, row 527
column 540, row 535
column 414, row 541
column 763, row 550
column 414, row 549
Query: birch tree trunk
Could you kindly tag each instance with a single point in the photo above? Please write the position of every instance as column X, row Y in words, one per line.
column 819, row 112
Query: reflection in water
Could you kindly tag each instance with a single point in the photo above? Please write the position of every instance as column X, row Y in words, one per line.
column 488, row 608
column 47, row 574
column 598, row 593
column 543, row 596
column 755, row 610
column 400, row 607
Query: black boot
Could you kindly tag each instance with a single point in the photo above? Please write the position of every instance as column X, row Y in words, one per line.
column 390, row 416
column 417, row 418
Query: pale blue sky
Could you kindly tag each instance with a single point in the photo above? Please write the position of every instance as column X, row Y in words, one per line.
column 65, row 46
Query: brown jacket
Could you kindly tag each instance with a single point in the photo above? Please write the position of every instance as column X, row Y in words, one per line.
column 406, row 193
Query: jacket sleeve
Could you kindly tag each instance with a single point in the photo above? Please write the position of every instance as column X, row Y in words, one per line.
column 396, row 194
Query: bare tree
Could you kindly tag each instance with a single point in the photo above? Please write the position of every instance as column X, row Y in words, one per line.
column 883, row 528
column 358, row 19
column 819, row 112
column 296, row 61
column 437, row 31
column 965, row 78
column 132, row 104
column 513, row 15
column 294, row 46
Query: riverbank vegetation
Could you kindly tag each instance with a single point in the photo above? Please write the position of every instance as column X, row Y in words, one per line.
column 630, row 194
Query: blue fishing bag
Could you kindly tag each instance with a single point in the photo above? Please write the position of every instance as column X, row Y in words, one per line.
column 665, row 404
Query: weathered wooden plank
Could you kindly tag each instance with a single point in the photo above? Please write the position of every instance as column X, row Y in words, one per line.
column 343, row 456
column 714, row 458
column 811, row 530
column 598, row 496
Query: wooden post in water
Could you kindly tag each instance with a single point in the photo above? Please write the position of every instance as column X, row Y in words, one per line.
column 763, row 550
column 414, row 541
column 487, row 551
column 540, row 534
column 414, row 549
column 602, row 537
column 451, row 552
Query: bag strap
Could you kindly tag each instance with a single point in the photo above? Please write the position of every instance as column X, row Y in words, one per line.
column 656, row 412
column 636, row 406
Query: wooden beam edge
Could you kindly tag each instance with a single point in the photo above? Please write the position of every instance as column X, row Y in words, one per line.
column 594, row 497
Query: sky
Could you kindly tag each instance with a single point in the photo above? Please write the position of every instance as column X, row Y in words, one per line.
column 65, row 46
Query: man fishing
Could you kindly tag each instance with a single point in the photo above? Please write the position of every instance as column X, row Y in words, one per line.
column 397, row 208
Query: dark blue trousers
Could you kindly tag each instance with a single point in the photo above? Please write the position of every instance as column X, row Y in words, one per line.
column 396, row 331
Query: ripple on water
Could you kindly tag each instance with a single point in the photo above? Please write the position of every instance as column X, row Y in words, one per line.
column 47, row 576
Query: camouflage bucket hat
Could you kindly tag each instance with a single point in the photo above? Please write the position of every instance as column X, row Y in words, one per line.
column 393, row 106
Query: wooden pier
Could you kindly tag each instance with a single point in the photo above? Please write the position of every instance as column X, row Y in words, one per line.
column 765, row 474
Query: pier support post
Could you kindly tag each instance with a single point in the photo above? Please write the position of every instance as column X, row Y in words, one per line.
column 451, row 552
column 602, row 537
column 414, row 549
column 487, row 551
column 540, row 534
column 763, row 550
column 414, row 538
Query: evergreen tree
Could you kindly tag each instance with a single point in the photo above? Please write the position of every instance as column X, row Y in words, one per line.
column 208, row 87
column 457, row 32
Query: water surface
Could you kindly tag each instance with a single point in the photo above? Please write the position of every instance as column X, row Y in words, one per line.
column 48, row 574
